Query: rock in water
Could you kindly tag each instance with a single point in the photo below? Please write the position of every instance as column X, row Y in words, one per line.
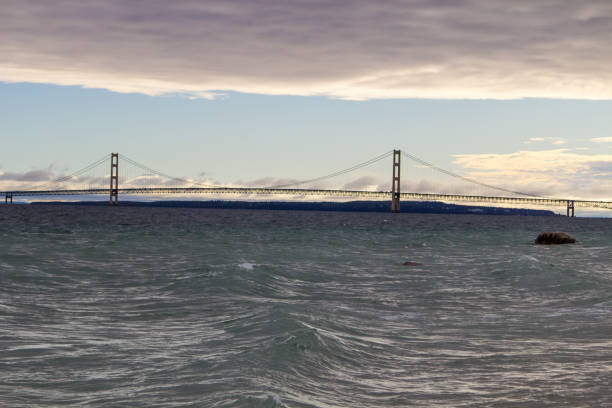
column 408, row 263
column 554, row 238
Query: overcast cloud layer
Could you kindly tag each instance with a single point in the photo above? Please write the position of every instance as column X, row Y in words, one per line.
column 343, row 49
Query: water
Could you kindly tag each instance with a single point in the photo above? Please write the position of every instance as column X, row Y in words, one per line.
column 159, row 307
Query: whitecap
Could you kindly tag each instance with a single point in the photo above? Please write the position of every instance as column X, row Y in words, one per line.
column 247, row 265
column 528, row 258
column 39, row 346
column 276, row 399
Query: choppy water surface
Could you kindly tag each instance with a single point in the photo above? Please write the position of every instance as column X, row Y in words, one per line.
column 159, row 307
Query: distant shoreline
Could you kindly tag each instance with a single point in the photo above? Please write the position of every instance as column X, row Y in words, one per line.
column 421, row 207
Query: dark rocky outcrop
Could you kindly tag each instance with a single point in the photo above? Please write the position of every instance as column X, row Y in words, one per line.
column 554, row 238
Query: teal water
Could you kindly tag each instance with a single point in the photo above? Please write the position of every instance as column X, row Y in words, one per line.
column 162, row 307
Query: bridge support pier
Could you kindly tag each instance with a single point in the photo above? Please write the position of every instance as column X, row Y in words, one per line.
column 114, row 179
column 8, row 198
column 570, row 208
column 395, row 186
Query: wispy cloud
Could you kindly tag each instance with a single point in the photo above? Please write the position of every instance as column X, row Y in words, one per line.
column 364, row 183
column 552, row 140
column 351, row 50
column 28, row 176
column 602, row 140
column 559, row 172
column 49, row 179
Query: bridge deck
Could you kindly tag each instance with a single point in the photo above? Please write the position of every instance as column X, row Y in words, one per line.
column 322, row 193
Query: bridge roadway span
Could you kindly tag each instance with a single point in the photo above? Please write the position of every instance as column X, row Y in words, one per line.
column 325, row 193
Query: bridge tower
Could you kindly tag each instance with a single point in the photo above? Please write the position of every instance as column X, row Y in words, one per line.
column 395, row 186
column 114, row 179
column 8, row 198
column 570, row 208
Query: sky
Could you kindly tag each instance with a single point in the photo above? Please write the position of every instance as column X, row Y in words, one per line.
column 515, row 94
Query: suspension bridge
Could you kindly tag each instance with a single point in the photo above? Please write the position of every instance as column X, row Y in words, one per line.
column 102, row 177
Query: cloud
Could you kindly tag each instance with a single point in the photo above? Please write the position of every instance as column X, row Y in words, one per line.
column 275, row 182
column 266, row 182
column 32, row 176
column 552, row 140
column 49, row 179
column 368, row 183
column 350, row 50
column 602, row 140
column 558, row 172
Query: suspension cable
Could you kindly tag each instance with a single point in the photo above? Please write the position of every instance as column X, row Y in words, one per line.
column 452, row 174
column 159, row 173
column 337, row 173
column 72, row 175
